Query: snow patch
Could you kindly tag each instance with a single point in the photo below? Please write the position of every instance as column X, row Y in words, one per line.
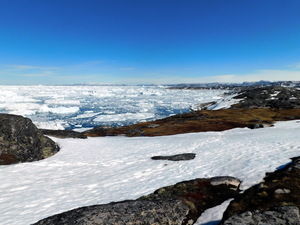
column 213, row 216
column 224, row 103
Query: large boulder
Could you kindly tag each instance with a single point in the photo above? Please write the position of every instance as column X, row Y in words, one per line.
column 21, row 141
column 179, row 204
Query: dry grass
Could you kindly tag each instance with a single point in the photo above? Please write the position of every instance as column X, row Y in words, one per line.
column 201, row 121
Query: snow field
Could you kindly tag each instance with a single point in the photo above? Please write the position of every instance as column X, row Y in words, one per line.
column 105, row 169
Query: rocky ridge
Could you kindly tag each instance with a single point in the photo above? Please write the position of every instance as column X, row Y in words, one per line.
column 269, row 97
column 179, row 204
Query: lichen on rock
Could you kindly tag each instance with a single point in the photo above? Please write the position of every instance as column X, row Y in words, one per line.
column 21, row 141
column 179, row 204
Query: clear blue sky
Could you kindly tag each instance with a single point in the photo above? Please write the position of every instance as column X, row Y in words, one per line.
column 148, row 41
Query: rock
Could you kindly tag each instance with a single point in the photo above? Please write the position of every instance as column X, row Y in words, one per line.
column 63, row 133
column 179, row 204
column 275, row 97
column 21, row 141
column 282, row 191
column 141, row 212
column 153, row 125
column 199, row 194
column 255, row 126
column 178, row 157
column 100, row 131
column 284, row 215
column 263, row 202
column 233, row 182
column 206, row 105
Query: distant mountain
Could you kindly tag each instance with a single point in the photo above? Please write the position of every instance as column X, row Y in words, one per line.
column 217, row 85
column 214, row 85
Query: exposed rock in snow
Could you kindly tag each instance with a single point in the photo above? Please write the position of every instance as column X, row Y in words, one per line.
column 178, row 157
column 179, row 204
column 268, row 97
column 165, row 211
column 21, row 141
column 284, row 215
column 63, row 133
column 274, row 201
column 225, row 180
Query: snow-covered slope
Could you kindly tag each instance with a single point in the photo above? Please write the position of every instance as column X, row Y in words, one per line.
column 101, row 170
column 224, row 103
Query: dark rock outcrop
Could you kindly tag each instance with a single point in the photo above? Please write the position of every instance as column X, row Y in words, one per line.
column 120, row 213
column 178, row 157
column 178, row 204
column 269, row 97
column 284, row 215
column 101, row 131
column 199, row 194
column 21, row 141
column 277, row 197
column 256, row 125
column 63, row 133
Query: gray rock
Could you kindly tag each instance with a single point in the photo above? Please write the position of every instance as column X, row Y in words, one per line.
column 153, row 125
column 199, row 194
column 269, row 97
column 284, row 215
column 179, row 204
column 282, row 191
column 178, row 157
column 21, row 141
column 231, row 181
column 141, row 212
column 279, row 190
column 63, row 133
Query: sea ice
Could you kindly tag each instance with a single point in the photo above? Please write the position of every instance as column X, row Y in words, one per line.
column 89, row 106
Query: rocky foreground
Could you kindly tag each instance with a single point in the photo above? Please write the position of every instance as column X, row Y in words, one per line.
column 181, row 203
column 275, row 201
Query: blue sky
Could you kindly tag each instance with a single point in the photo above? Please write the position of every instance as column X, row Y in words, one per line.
column 148, row 41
